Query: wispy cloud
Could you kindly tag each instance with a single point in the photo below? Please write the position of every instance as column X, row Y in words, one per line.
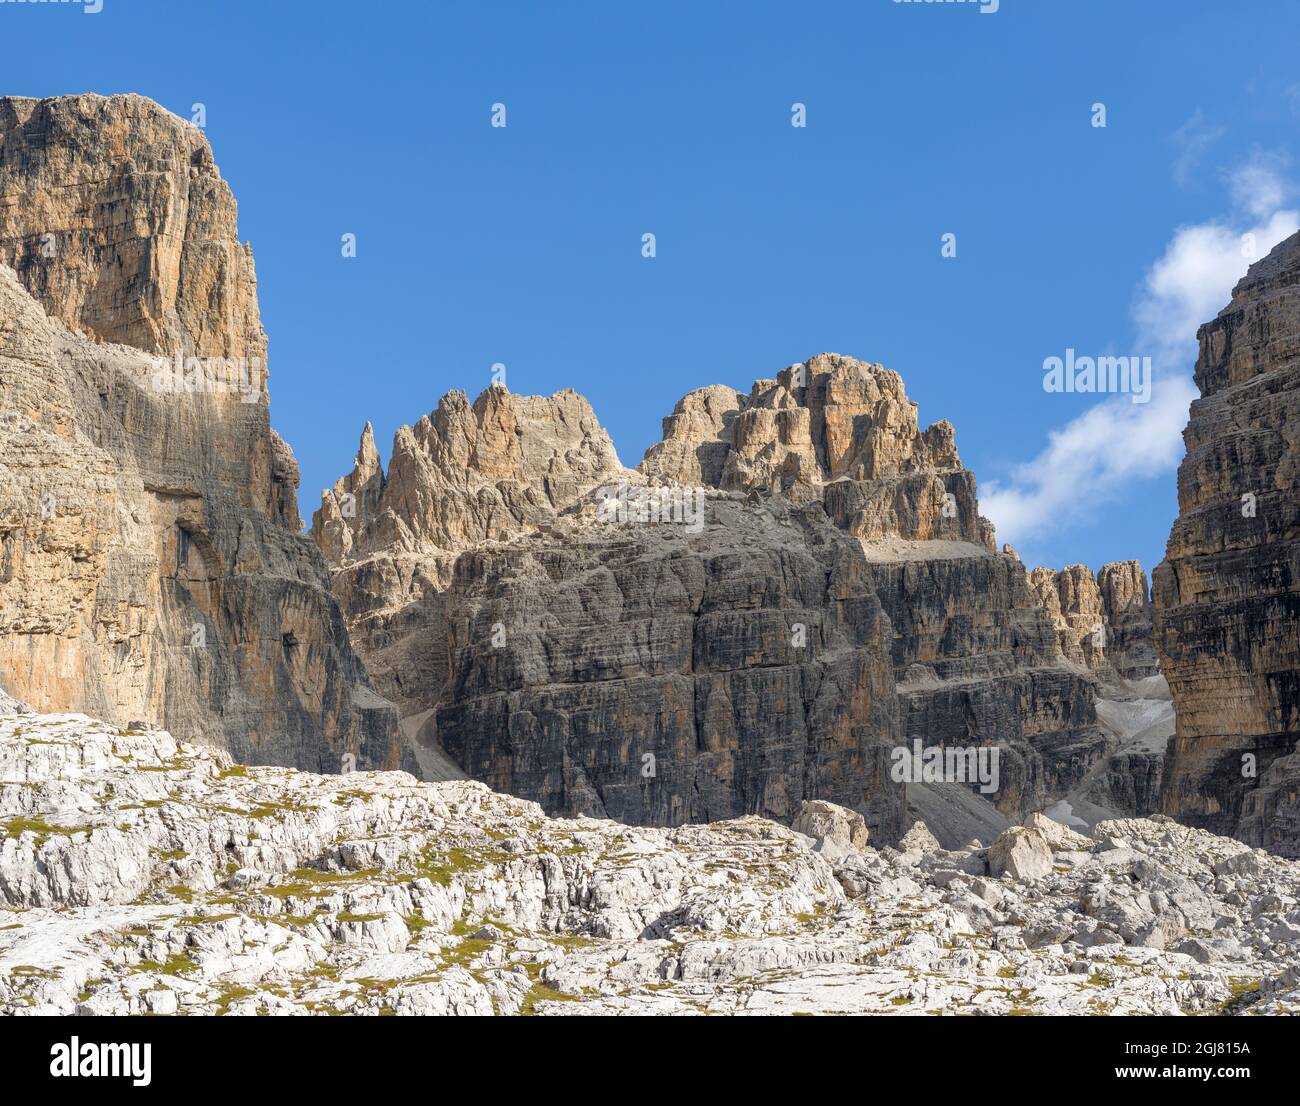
column 1292, row 93
column 1193, row 140
column 1092, row 460
column 1260, row 186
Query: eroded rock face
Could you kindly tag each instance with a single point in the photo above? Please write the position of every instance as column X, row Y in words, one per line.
column 143, row 875
column 830, row 594
column 153, row 567
column 697, row 437
column 649, row 674
column 832, row 429
column 114, row 216
column 1227, row 596
column 1102, row 622
column 1126, row 602
column 463, row 477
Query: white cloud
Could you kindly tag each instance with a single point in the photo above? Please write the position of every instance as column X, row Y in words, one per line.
column 1089, row 462
column 1259, row 186
column 1093, row 459
column 1193, row 280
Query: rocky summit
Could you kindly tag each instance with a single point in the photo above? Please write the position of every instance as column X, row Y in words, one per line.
column 142, row 875
column 794, row 585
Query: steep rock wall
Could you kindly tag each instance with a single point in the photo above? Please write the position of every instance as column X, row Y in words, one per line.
column 840, row 595
column 1227, row 595
column 153, row 569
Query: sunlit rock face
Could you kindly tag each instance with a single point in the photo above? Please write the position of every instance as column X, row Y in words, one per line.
column 1227, row 596
column 1104, row 621
column 153, row 565
column 114, row 216
column 806, row 586
column 835, row 430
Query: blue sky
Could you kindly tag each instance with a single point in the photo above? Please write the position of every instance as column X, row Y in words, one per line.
column 522, row 245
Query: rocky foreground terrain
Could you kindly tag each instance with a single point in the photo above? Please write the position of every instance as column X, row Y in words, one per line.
column 142, row 875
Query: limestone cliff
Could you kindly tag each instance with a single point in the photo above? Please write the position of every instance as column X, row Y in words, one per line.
column 1102, row 622
column 466, row 475
column 834, row 430
column 153, row 567
column 795, row 584
column 1227, row 596
column 114, row 216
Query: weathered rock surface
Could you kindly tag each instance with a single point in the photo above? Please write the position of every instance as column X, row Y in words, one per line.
column 1021, row 854
column 697, row 438
column 1102, row 622
column 465, row 476
column 1103, row 625
column 834, row 430
column 830, row 594
column 654, row 675
column 114, row 216
column 1227, row 596
column 139, row 875
column 833, row 828
column 152, row 562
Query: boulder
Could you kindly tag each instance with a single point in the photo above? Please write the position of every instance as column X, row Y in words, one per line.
column 1059, row 838
column 918, row 839
column 1020, row 853
column 834, row 829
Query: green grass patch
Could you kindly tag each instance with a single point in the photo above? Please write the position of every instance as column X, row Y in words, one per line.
column 173, row 965
column 542, row 993
column 16, row 827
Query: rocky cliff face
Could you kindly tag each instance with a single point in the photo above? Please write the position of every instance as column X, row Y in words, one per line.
column 1102, row 622
column 462, row 477
column 795, row 584
column 831, row 430
column 114, row 216
column 152, row 566
column 1227, row 596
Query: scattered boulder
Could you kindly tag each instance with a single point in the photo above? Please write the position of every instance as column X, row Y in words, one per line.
column 1059, row 838
column 1243, row 864
column 918, row 839
column 834, row 829
column 1021, row 854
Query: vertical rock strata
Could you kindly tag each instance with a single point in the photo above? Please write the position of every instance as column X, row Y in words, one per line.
column 1227, row 595
column 1103, row 622
column 114, row 216
column 152, row 565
